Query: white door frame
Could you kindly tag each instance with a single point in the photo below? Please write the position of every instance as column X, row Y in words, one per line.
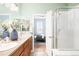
column 49, row 32
column 32, row 29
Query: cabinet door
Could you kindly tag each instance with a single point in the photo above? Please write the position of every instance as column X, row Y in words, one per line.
column 30, row 43
column 26, row 43
column 27, row 47
column 18, row 51
column 25, row 52
column 24, row 49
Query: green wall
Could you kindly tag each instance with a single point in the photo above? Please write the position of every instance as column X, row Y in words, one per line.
column 27, row 9
column 33, row 8
column 5, row 10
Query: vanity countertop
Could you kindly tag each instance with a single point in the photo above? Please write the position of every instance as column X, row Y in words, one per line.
column 19, row 42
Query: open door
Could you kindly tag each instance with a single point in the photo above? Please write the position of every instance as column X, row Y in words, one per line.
column 49, row 32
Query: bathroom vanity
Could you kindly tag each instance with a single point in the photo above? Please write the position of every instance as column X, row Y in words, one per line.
column 23, row 47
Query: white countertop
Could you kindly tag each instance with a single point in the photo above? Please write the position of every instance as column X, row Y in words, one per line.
column 20, row 41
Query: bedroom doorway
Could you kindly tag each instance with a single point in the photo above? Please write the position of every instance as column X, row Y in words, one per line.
column 39, row 34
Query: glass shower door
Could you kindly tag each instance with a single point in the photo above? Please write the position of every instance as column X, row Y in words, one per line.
column 67, row 29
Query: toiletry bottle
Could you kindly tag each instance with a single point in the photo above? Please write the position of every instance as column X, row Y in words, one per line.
column 14, row 35
column 5, row 33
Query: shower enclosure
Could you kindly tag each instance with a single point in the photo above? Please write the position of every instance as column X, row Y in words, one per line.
column 67, row 21
column 65, row 31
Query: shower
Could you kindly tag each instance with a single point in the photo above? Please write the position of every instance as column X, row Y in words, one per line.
column 66, row 31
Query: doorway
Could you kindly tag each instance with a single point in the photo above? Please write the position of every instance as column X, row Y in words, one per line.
column 39, row 35
column 39, row 30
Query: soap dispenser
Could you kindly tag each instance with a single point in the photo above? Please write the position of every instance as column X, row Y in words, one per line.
column 14, row 35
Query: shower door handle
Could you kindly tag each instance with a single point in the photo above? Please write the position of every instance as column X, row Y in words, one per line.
column 58, row 31
column 31, row 32
column 50, row 36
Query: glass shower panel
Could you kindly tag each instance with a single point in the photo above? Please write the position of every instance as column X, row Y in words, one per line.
column 67, row 29
column 76, row 27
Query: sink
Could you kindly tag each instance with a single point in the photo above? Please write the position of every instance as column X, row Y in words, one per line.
column 7, row 46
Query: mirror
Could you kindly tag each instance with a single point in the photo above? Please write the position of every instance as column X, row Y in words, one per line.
column 3, row 19
column 21, row 24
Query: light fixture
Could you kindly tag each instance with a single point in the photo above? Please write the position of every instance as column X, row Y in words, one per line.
column 11, row 6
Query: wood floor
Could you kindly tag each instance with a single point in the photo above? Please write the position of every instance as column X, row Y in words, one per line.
column 39, row 49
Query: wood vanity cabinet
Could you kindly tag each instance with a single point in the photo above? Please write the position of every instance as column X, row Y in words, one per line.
column 27, row 47
column 24, row 49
